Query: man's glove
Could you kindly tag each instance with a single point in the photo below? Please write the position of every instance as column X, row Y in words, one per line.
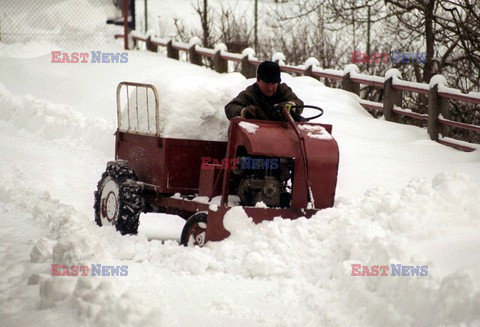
column 287, row 105
column 249, row 112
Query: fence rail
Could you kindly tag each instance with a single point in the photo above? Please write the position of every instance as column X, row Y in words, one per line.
column 438, row 93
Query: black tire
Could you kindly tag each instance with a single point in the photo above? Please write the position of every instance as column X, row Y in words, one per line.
column 118, row 199
column 194, row 231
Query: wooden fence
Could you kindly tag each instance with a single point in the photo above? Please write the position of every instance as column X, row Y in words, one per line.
column 438, row 93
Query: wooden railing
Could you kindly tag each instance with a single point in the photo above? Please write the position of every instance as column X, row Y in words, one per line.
column 351, row 79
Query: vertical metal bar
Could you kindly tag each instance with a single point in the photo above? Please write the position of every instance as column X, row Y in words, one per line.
column 146, row 16
column 128, row 108
column 136, row 107
column 303, row 152
column 119, row 110
column 133, row 12
column 157, row 111
column 368, row 36
column 148, row 110
column 125, row 23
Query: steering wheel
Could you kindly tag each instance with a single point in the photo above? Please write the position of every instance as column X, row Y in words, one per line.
column 297, row 117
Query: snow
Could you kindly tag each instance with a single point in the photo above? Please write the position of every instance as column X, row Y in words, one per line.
column 248, row 52
column 437, row 80
column 312, row 61
column 181, row 45
column 443, row 88
column 249, row 127
column 458, row 142
column 400, row 82
column 393, row 73
column 137, row 34
column 401, row 199
column 350, row 69
column 220, row 47
column 475, row 95
column 370, row 78
column 159, row 40
column 233, row 200
column 280, row 57
column 316, row 132
column 195, row 41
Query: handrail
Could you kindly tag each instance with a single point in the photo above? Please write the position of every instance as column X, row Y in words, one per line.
column 180, row 46
column 411, row 86
column 378, row 106
column 231, row 56
column 367, row 79
column 410, row 113
column 459, row 96
column 205, row 51
column 458, row 124
column 159, row 42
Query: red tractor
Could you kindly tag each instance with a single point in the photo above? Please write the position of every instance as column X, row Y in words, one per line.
column 272, row 169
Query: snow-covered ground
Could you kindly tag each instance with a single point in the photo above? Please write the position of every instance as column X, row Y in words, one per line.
column 401, row 199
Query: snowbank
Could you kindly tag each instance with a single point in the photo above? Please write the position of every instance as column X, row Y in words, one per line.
column 32, row 49
column 308, row 261
column 53, row 122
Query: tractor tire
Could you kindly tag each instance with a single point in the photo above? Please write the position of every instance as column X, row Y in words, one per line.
column 118, row 199
column 194, row 231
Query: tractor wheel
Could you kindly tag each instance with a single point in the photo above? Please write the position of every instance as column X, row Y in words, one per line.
column 118, row 201
column 195, row 229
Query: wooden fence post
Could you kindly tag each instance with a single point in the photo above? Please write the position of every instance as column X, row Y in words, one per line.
column 309, row 72
column 248, row 70
column 350, row 86
column 171, row 51
column 436, row 105
column 221, row 65
column 391, row 98
column 310, row 63
column 193, row 56
column 150, row 46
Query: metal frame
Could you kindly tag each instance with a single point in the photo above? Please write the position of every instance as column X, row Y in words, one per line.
column 119, row 108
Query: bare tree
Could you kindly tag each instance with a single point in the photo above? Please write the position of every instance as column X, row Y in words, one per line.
column 234, row 30
column 451, row 34
column 204, row 12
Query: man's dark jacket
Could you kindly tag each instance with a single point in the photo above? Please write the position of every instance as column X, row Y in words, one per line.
column 253, row 96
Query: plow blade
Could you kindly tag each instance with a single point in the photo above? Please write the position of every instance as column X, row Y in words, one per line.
column 216, row 230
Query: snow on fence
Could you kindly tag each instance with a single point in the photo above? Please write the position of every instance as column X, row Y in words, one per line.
column 438, row 93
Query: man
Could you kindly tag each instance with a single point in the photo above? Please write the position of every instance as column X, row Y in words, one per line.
column 258, row 100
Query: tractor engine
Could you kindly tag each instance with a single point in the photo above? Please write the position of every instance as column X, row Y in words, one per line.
column 263, row 179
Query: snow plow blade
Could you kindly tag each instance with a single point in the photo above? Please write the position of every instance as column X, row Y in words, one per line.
column 216, row 230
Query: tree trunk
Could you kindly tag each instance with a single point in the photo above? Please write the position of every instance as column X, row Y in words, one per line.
column 430, row 40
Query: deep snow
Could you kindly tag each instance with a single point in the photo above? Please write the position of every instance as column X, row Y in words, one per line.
column 401, row 199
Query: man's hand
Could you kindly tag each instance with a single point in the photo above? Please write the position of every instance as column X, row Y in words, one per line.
column 287, row 105
column 249, row 112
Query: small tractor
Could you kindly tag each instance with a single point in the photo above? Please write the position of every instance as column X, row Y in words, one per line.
column 272, row 169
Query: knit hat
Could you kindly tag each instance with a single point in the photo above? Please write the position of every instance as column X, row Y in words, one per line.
column 269, row 72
